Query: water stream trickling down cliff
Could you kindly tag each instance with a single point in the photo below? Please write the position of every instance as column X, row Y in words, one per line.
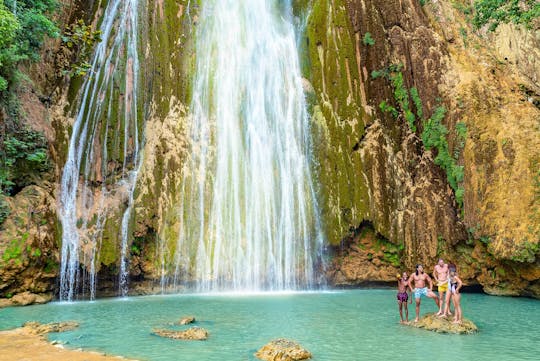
column 248, row 214
column 104, row 149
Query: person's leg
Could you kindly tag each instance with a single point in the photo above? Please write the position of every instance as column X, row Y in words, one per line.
column 432, row 294
column 406, row 311
column 417, row 309
column 457, row 308
column 447, row 297
column 454, row 301
column 441, row 295
column 400, row 306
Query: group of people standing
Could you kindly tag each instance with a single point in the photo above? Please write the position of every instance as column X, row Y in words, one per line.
column 448, row 287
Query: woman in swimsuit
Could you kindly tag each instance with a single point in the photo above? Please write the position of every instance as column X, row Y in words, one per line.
column 454, row 285
column 403, row 296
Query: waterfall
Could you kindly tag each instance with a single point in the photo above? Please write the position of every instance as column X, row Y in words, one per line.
column 104, row 151
column 249, row 218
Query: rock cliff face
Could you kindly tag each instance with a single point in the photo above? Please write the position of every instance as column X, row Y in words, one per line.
column 398, row 187
column 386, row 204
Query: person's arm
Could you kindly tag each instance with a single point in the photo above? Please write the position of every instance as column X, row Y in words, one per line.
column 435, row 274
column 459, row 283
column 409, row 284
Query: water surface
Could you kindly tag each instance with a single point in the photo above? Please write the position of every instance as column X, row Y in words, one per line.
column 335, row 326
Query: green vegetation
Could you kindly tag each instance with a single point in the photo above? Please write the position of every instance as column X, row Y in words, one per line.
column 50, row 266
column 395, row 76
column 22, row 153
column 24, row 25
column 4, row 209
column 80, row 39
column 368, row 40
column 496, row 12
column 14, row 250
column 527, row 252
column 434, row 134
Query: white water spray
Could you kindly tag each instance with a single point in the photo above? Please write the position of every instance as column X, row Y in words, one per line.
column 249, row 217
column 115, row 63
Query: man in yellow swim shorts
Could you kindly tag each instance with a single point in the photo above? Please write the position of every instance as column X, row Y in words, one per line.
column 440, row 274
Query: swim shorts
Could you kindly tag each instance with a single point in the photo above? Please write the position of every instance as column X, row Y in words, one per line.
column 443, row 287
column 402, row 296
column 419, row 292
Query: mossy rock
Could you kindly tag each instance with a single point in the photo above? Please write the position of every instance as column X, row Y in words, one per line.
column 432, row 322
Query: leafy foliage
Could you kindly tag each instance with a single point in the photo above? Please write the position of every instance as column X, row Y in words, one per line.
column 495, row 12
column 401, row 95
column 4, row 209
column 22, row 153
column 81, row 38
column 14, row 250
column 434, row 134
column 24, row 25
column 368, row 40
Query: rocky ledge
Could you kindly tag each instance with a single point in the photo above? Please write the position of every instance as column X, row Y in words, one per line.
column 432, row 322
column 26, row 298
column 36, row 328
column 283, row 350
column 193, row 333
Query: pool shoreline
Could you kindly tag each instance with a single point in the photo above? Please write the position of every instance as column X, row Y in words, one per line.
column 20, row 344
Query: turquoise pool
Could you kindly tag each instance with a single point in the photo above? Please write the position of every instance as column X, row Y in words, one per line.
column 347, row 325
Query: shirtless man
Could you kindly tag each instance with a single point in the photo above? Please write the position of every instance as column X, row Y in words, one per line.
column 403, row 296
column 419, row 278
column 440, row 274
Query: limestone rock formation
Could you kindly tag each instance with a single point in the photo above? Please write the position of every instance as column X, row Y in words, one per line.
column 193, row 333
column 431, row 322
column 384, row 175
column 282, row 350
column 37, row 328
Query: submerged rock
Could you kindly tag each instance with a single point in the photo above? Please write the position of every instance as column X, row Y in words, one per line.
column 193, row 333
column 186, row 320
column 283, row 350
column 36, row 328
column 432, row 322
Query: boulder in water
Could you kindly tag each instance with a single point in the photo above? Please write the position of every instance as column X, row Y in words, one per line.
column 283, row 350
column 186, row 320
column 434, row 323
column 193, row 333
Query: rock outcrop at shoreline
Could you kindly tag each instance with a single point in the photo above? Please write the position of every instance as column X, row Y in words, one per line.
column 431, row 322
column 283, row 350
column 36, row 328
column 29, row 341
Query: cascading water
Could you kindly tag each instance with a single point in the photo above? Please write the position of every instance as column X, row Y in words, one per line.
column 249, row 217
column 104, row 149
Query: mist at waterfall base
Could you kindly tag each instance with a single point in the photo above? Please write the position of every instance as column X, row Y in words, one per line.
column 335, row 326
